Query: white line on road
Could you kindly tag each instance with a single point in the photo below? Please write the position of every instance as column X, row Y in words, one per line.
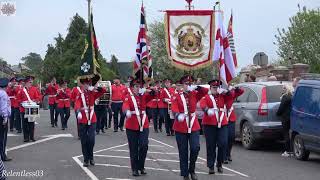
column 161, row 142
column 149, row 152
column 12, row 135
column 237, row 172
column 85, row 169
column 200, row 172
column 39, row 141
column 148, row 159
column 151, row 145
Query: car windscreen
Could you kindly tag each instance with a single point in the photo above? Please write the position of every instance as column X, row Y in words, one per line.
column 274, row 93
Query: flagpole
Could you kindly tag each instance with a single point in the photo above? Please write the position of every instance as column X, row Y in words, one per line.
column 89, row 12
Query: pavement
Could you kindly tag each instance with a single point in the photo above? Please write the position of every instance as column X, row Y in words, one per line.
column 57, row 155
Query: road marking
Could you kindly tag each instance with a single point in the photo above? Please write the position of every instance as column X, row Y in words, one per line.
column 12, row 135
column 151, row 145
column 234, row 171
column 205, row 173
column 85, row 169
column 161, row 142
column 149, row 152
column 147, row 159
column 50, row 137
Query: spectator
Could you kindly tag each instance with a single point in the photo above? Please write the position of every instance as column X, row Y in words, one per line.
column 295, row 82
column 284, row 112
column 272, row 78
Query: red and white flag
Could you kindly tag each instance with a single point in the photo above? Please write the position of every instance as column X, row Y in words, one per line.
column 143, row 53
column 222, row 51
column 231, row 41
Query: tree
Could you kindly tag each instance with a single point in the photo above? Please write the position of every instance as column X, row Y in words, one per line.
column 161, row 64
column 3, row 62
column 114, row 66
column 299, row 43
column 34, row 62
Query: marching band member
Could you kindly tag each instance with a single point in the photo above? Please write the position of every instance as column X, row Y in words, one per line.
column 234, row 93
column 5, row 113
column 158, row 108
column 166, row 95
column 117, row 90
column 87, row 119
column 75, row 94
column 12, row 91
column 18, row 88
column 186, row 125
column 137, row 125
column 51, row 91
column 28, row 94
column 63, row 105
column 215, row 125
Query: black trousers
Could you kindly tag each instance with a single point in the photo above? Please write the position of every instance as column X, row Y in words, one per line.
column 109, row 115
column 15, row 119
column 168, row 122
column 101, row 119
column 231, row 137
column 87, row 136
column 3, row 139
column 53, row 114
column 157, row 122
column 116, row 109
column 18, row 122
column 64, row 116
column 28, row 128
column 138, row 147
column 183, row 141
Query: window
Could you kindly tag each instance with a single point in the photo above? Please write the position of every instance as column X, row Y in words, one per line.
column 244, row 97
column 274, row 93
column 307, row 100
column 252, row 96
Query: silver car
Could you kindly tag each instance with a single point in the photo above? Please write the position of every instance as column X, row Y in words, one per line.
column 256, row 112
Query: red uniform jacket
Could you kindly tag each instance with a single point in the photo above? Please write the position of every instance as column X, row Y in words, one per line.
column 33, row 94
column 90, row 97
column 51, row 91
column 132, row 122
column 206, row 103
column 117, row 92
column 63, row 98
column 177, row 107
column 234, row 94
column 165, row 96
column 12, row 93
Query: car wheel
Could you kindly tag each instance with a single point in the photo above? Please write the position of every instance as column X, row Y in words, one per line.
column 299, row 150
column 247, row 138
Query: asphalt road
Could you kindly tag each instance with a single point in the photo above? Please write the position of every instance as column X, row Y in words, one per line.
column 57, row 155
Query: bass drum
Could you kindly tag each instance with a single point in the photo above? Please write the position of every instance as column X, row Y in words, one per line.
column 105, row 99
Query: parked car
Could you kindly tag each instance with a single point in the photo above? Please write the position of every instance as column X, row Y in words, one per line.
column 305, row 119
column 256, row 112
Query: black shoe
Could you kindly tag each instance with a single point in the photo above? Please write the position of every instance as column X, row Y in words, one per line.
column 116, row 130
column 143, row 172
column 19, row 132
column 121, row 129
column 92, row 162
column 11, row 130
column 220, row 170
column 85, row 164
column 186, row 178
column 135, row 173
column 156, row 131
column 109, row 126
column 194, row 176
column 56, row 124
column 97, row 132
column 7, row 159
column 160, row 129
column 33, row 140
column 26, row 140
column 211, row 171
column 172, row 133
column 52, row 125
column 168, row 134
column 62, row 128
column 226, row 162
column 229, row 159
column 103, row 131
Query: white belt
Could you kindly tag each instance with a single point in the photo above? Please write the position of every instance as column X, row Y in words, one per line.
column 64, row 99
column 52, row 95
column 91, row 108
column 155, row 100
column 117, row 101
column 12, row 97
column 134, row 112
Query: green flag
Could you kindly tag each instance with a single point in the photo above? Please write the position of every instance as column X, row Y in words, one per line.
column 89, row 67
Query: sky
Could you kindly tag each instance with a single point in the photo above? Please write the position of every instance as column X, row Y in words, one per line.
column 37, row 22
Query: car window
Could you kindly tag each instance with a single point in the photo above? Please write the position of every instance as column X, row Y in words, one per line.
column 274, row 93
column 307, row 100
column 244, row 97
column 252, row 96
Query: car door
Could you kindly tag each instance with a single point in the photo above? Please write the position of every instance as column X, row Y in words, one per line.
column 240, row 105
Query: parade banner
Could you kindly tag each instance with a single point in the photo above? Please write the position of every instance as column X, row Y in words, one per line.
column 189, row 38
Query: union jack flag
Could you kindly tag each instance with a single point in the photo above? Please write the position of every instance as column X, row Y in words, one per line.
column 143, row 59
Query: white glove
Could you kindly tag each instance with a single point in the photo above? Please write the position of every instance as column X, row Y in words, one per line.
column 142, row 90
column 191, row 88
column 181, row 117
column 210, row 112
column 5, row 120
column 230, row 88
column 128, row 114
column 91, row 88
column 79, row 116
column 221, row 90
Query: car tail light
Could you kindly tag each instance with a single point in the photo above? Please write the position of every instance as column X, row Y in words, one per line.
column 263, row 107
